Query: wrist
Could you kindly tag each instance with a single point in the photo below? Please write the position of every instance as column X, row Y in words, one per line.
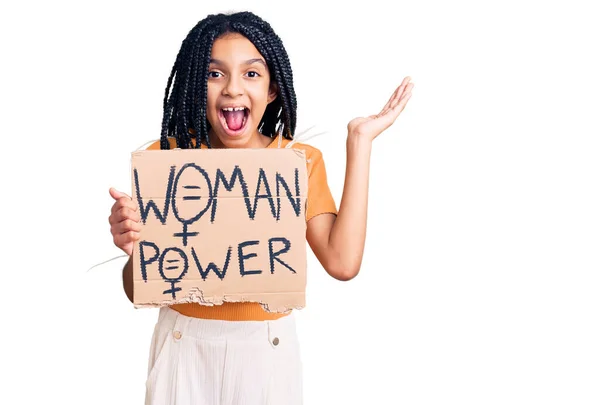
column 358, row 142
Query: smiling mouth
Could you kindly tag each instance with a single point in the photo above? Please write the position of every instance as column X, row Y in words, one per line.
column 234, row 119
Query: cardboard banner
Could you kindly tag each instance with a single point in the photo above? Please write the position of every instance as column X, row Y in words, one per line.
column 220, row 225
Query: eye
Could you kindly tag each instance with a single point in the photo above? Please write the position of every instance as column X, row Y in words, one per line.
column 213, row 74
column 253, row 74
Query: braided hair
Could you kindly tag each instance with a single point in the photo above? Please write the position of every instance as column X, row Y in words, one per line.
column 184, row 104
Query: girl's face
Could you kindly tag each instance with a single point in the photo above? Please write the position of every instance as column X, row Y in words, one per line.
column 239, row 90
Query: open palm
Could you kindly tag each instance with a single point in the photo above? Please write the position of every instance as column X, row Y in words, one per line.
column 373, row 125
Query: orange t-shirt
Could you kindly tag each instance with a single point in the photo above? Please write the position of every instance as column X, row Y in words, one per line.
column 319, row 201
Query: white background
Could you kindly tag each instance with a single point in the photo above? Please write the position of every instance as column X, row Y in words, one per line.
column 480, row 281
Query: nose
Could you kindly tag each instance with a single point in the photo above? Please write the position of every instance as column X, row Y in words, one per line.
column 234, row 86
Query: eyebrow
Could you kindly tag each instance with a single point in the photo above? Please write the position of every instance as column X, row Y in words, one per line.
column 248, row 62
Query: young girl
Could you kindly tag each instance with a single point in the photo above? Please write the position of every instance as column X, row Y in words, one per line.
column 232, row 87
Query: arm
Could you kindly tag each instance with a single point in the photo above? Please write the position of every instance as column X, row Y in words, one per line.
column 125, row 228
column 128, row 279
column 338, row 242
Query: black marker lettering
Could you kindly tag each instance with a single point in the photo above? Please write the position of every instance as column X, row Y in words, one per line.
column 186, row 222
column 273, row 255
column 212, row 266
column 262, row 178
column 151, row 204
column 295, row 204
column 143, row 261
column 242, row 257
column 176, row 279
column 220, row 178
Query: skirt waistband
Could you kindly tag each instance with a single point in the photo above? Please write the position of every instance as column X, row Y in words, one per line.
column 214, row 329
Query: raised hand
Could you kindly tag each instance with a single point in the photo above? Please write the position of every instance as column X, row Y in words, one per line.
column 124, row 221
column 370, row 127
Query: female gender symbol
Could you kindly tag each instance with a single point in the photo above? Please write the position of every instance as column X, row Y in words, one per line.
column 173, row 263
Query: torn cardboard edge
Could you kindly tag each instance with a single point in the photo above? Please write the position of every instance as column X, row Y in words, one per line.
column 195, row 295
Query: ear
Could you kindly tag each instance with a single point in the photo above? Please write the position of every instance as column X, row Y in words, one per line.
column 273, row 92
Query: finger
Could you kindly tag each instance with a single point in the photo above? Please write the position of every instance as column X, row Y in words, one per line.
column 123, row 202
column 116, row 194
column 398, row 108
column 404, row 99
column 122, row 214
column 125, row 226
column 125, row 238
column 407, row 87
column 393, row 96
column 387, row 119
column 398, row 93
column 128, row 249
column 399, row 98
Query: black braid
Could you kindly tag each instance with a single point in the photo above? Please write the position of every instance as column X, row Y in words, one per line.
column 184, row 104
column 201, row 118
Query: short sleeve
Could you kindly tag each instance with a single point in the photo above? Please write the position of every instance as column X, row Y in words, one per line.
column 319, row 200
column 154, row 146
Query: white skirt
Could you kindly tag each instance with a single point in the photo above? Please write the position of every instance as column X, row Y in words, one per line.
column 211, row 362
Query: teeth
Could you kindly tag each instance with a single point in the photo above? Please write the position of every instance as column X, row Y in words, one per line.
column 234, row 109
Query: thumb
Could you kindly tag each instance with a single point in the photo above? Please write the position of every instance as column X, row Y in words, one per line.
column 116, row 194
